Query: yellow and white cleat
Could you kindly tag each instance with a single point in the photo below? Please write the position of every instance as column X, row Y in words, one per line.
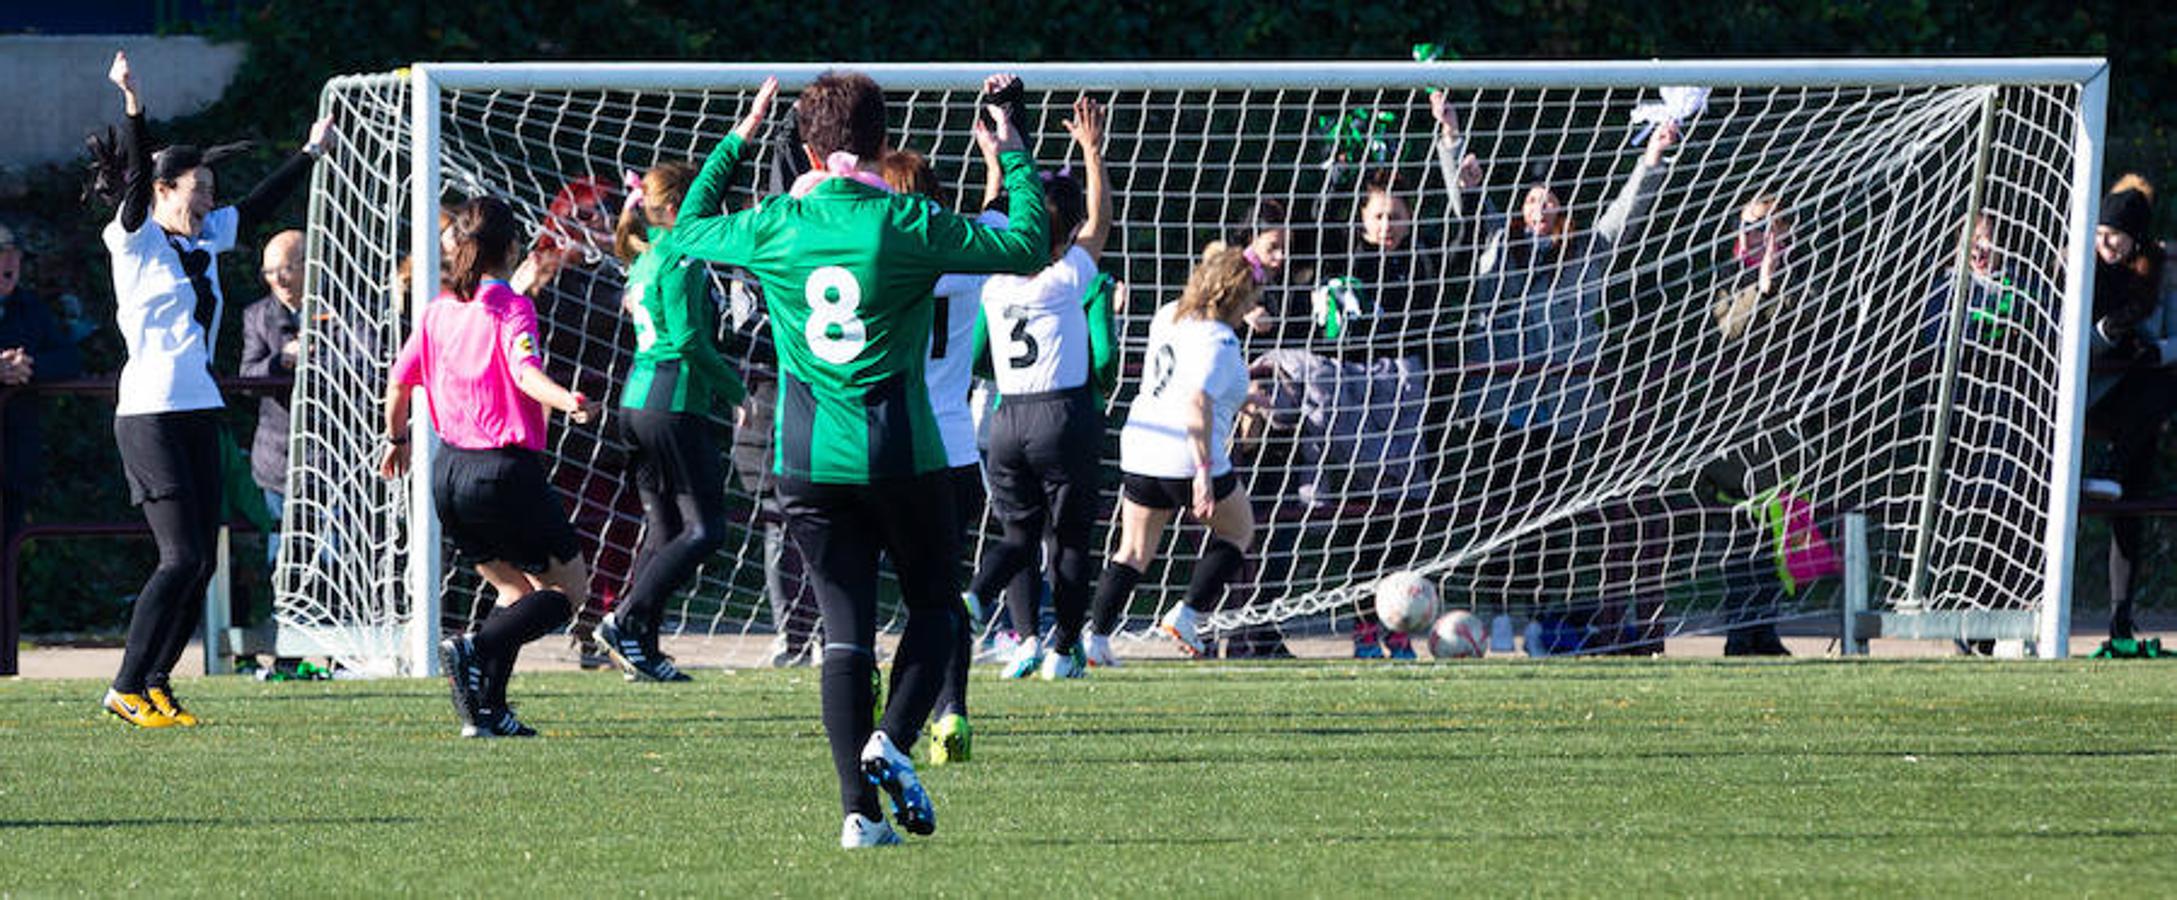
column 135, row 710
column 163, row 701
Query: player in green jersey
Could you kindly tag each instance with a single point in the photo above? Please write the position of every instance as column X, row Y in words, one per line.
column 664, row 409
column 848, row 270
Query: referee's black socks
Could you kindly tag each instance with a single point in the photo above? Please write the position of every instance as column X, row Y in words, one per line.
column 535, row 615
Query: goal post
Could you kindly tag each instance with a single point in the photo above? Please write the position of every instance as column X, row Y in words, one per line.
column 1630, row 445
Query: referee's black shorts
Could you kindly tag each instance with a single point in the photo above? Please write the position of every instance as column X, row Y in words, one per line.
column 498, row 505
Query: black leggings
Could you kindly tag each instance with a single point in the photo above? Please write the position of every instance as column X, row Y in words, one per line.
column 841, row 529
column 683, row 488
column 967, row 501
column 1044, row 480
column 173, row 467
column 2132, row 414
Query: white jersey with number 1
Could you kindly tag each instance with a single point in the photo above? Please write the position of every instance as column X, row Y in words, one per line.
column 950, row 372
column 1185, row 358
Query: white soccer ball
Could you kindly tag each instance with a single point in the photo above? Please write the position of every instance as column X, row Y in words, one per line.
column 1406, row 602
column 1458, row 635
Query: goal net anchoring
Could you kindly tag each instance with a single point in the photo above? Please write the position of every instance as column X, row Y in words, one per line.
column 1614, row 434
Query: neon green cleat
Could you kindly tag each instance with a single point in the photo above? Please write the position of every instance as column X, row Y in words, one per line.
column 950, row 740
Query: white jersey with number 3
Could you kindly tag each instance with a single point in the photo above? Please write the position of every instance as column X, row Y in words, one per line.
column 1039, row 338
column 1185, row 358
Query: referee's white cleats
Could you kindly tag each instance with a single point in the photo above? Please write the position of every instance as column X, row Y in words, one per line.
column 1184, row 626
column 1097, row 648
column 859, row 832
column 1026, row 658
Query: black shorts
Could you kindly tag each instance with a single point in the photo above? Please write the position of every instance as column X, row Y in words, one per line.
column 171, row 456
column 1042, row 459
column 672, row 453
column 498, row 505
column 1174, row 493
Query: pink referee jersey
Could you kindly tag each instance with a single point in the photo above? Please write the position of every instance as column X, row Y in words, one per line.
column 465, row 355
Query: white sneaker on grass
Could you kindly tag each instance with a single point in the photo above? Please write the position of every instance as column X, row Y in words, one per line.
column 1025, row 660
column 1070, row 664
column 859, row 832
column 1184, row 626
column 1097, row 649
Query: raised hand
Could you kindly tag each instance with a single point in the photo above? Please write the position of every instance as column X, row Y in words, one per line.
column 1447, row 117
column 1664, row 138
column 1087, row 124
column 125, row 79
column 323, row 136
column 758, row 110
column 1470, row 172
column 121, row 76
column 1004, row 132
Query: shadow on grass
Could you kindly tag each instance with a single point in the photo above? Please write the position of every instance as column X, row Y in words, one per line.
column 194, row 822
column 1673, row 835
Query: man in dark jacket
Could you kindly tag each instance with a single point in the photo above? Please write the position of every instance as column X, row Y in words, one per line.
column 270, row 347
column 33, row 348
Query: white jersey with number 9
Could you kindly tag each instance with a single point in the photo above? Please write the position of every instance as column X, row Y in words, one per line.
column 1186, row 358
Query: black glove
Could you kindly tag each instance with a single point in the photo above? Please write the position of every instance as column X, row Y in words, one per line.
column 1014, row 97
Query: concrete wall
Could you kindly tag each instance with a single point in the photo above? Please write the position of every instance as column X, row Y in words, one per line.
column 53, row 89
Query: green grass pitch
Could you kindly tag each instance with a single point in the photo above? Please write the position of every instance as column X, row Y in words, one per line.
column 1566, row 777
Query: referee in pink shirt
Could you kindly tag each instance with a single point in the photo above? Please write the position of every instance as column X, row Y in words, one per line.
column 475, row 356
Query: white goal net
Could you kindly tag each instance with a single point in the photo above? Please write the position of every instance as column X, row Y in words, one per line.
column 1616, row 391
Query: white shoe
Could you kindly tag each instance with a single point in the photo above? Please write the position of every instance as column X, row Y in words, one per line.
column 1058, row 665
column 1182, row 625
column 2101, row 488
column 999, row 649
column 1097, row 648
column 1025, row 660
column 859, row 832
column 889, row 769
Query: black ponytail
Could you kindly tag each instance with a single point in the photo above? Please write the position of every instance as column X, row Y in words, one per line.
column 108, row 171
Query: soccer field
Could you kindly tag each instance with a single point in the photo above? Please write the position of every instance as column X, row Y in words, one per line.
column 1570, row 777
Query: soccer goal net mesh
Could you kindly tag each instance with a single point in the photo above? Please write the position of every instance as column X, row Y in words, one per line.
column 1622, row 398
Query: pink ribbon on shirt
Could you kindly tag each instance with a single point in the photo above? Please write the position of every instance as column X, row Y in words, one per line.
column 634, row 184
column 1256, row 265
column 840, row 164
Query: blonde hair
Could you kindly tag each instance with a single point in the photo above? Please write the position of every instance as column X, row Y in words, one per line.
column 1221, row 285
column 2133, row 181
column 666, row 182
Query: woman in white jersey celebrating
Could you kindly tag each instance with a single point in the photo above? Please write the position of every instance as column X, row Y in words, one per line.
column 165, row 239
column 1174, row 450
column 1044, row 435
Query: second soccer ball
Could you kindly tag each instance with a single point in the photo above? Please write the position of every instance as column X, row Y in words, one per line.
column 1406, row 602
column 1458, row 635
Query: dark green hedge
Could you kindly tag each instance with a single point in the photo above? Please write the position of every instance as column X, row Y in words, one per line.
column 295, row 45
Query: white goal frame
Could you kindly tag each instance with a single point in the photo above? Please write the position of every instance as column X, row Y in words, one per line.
column 2047, row 626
